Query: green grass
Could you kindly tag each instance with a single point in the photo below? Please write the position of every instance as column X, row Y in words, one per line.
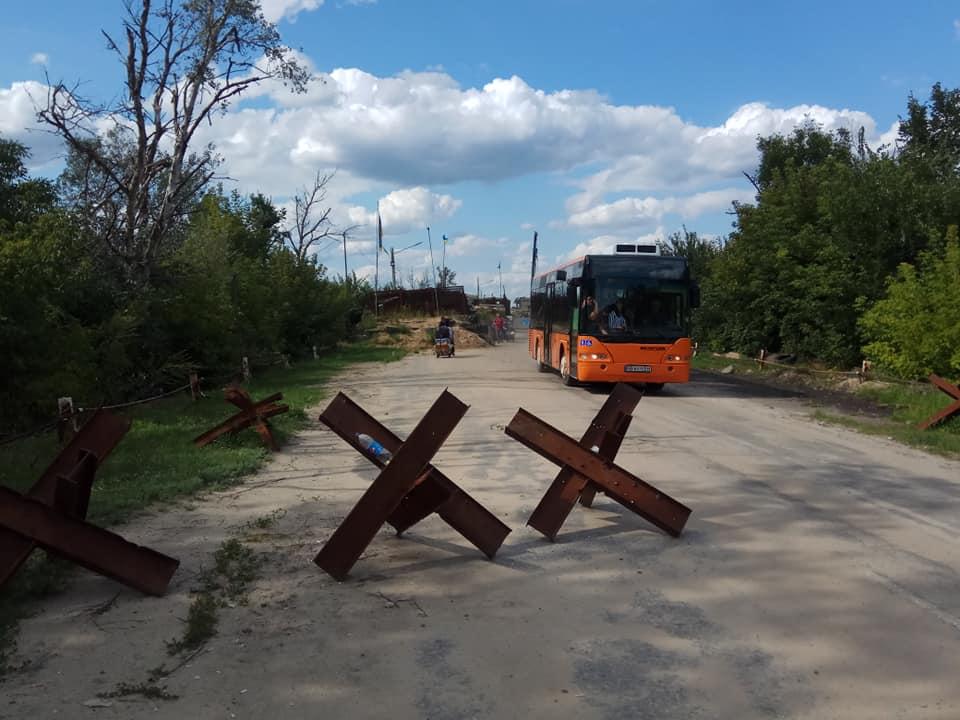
column 910, row 404
column 708, row 361
column 224, row 585
column 157, row 462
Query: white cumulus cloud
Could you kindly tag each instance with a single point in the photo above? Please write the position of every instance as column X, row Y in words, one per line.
column 18, row 121
column 635, row 212
column 402, row 211
column 466, row 245
column 274, row 10
column 39, row 58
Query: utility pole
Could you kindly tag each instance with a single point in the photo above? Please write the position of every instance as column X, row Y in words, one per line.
column 533, row 265
column 500, row 272
column 393, row 269
column 478, row 287
column 344, row 256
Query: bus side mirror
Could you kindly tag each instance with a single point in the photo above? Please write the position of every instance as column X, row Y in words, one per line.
column 694, row 296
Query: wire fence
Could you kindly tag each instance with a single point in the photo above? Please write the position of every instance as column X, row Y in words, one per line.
column 863, row 374
column 78, row 410
column 75, row 410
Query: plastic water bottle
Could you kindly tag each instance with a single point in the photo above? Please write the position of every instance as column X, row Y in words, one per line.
column 374, row 448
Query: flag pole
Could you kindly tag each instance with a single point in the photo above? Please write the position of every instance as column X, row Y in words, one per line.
column 433, row 268
column 376, row 276
column 443, row 273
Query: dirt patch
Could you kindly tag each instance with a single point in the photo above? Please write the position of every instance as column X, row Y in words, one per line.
column 841, row 397
column 416, row 334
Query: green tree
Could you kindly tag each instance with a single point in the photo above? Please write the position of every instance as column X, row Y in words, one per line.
column 915, row 329
column 699, row 252
column 22, row 199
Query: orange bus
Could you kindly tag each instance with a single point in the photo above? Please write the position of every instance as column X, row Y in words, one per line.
column 615, row 318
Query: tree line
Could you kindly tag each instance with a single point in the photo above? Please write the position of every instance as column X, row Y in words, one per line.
column 228, row 284
column 847, row 253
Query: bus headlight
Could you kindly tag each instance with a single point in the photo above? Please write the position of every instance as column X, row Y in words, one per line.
column 593, row 356
column 674, row 358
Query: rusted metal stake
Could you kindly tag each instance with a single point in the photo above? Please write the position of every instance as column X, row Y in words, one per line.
column 606, row 433
column 952, row 409
column 256, row 414
column 52, row 515
column 407, row 489
column 586, row 466
column 435, row 493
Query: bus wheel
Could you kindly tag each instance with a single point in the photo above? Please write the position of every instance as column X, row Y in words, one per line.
column 653, row 388
column 541, row 367
column 565, row 376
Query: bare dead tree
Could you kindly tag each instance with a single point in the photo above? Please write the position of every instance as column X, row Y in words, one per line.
column 184, row 61
column 312, row 222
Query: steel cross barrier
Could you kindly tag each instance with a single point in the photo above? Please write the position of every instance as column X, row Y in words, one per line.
column 605, row 433
column 252, row 413
column 52, row 515
column 408, row 488
column 586, row 470
column 951, row 409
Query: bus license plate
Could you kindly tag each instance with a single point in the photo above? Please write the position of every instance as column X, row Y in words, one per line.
column 638, row 368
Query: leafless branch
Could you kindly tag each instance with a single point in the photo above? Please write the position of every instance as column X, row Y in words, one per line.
column 183, row 63
column 312, row 221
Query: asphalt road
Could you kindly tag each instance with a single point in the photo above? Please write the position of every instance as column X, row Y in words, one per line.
column 817, row 576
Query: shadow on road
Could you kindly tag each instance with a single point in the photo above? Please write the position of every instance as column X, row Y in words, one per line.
column 711, row 385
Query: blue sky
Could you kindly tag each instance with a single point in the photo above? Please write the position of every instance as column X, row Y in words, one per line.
column 591, row 122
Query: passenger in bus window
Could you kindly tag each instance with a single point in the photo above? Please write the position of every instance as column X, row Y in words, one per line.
column 615, row 319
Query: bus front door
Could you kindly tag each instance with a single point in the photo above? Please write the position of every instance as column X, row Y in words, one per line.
column 548, row 302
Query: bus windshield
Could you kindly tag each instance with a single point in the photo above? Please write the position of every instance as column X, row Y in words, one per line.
column 628, row 310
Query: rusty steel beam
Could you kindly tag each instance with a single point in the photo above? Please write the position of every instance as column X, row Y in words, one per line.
column 434, row 491
column 404, row 472
column 630, row 491
column 94, row 548
column 251, row 413
column 96, row 439
column 953, row 408
column 607, row 449
column 99, row 436
column 605, row 432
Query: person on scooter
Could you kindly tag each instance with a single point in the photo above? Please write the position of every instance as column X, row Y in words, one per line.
column 444, row 330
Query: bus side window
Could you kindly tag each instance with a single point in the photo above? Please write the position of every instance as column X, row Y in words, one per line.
column 573, row 301
column 537, row 309
column 559, row 310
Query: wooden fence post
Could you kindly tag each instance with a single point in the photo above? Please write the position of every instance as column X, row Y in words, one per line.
column 762, row 358
column 65, row 413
